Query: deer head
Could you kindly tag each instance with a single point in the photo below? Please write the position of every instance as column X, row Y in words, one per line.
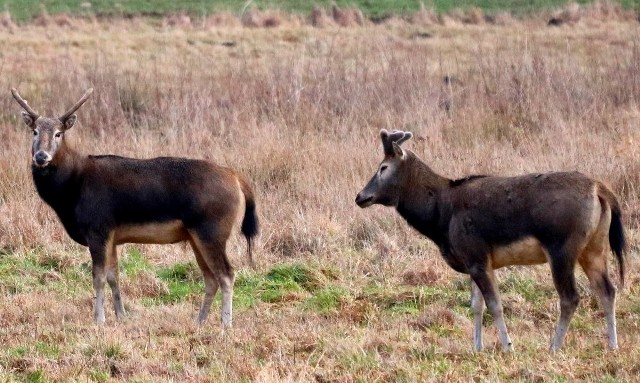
column 48, row 133
column 384, row 186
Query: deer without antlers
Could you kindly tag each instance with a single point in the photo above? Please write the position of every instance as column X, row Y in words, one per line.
column 104, row 201
column 483, row 223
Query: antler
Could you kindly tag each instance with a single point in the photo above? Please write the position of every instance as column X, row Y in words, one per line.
column 397, row 136
column 24, row 104
column 405, row 136
column 78, row 104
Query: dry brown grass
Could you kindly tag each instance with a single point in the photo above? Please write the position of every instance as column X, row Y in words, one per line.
column 297, row 109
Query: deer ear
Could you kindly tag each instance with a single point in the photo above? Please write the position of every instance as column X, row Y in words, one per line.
column 69, row 122
column 28, row 119
column 397, row 151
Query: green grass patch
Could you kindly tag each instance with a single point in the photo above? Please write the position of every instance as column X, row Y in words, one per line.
column 132, row 262
column 422, row 354
column 583, row 322
column 114, row 351
column 445, row 331
column 289, row 282
column 327, row 300
column 37, row 270
column 182, row 272
column 300, row 274
column 244, row 289
column 405, row 300
column 178, row 292
column 18, row 352
column 184, row 282
column 21, row 272
column 22, row 10
column 50, row 350
column 411, row 307
column 359, row 362
column 283, row 283
column 36, row 376
column 99, row 376
column 527, row 287
column 278, row 291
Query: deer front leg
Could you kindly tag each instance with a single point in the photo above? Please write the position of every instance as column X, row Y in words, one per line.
column 485, row 280
column 113, row 279
column 97, row 248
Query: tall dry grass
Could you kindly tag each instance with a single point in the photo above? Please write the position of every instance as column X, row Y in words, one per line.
column 300, row 117
column 297, row 110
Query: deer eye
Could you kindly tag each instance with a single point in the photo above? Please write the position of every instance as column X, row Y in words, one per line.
column 383, row 168
column 58, row 135
column 35, row 132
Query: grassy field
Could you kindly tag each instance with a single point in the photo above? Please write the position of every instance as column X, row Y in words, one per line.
column 25, row 9
column 339, row 293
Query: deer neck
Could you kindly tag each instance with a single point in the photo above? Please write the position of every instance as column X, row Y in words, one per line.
column 58, row 184
column 420, row 203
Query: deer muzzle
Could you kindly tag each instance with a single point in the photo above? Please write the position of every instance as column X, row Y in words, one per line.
column 363, row 200
column 41, row 158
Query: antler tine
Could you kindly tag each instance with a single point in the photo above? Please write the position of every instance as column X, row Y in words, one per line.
column 78, row 104
column 405, row 137
column 24, row 104
column 396, row 135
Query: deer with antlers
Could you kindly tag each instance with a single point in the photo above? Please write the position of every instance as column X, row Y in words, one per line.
column 482, row 223
column 104, row 201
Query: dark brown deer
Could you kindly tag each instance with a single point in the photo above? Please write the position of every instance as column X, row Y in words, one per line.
column 105, row 201
column 482, row 223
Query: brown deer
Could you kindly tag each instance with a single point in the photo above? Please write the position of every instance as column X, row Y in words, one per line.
column 104, row 201
column 482, row 223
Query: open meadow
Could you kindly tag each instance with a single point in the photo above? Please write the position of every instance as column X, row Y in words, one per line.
column 339, row 293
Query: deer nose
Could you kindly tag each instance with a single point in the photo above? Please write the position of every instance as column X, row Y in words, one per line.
column 42, row 158
column 363, row 201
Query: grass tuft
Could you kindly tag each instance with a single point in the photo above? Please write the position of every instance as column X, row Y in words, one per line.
column 327, row 300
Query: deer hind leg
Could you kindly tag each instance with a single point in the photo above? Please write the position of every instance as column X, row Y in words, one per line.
column 594, row 264
column 226, row 279
column 593, row 261
column 562, row 260
column 486, row 283
column 477, row 306
column 210, row 282
column 214, row 255
column 113, row 279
